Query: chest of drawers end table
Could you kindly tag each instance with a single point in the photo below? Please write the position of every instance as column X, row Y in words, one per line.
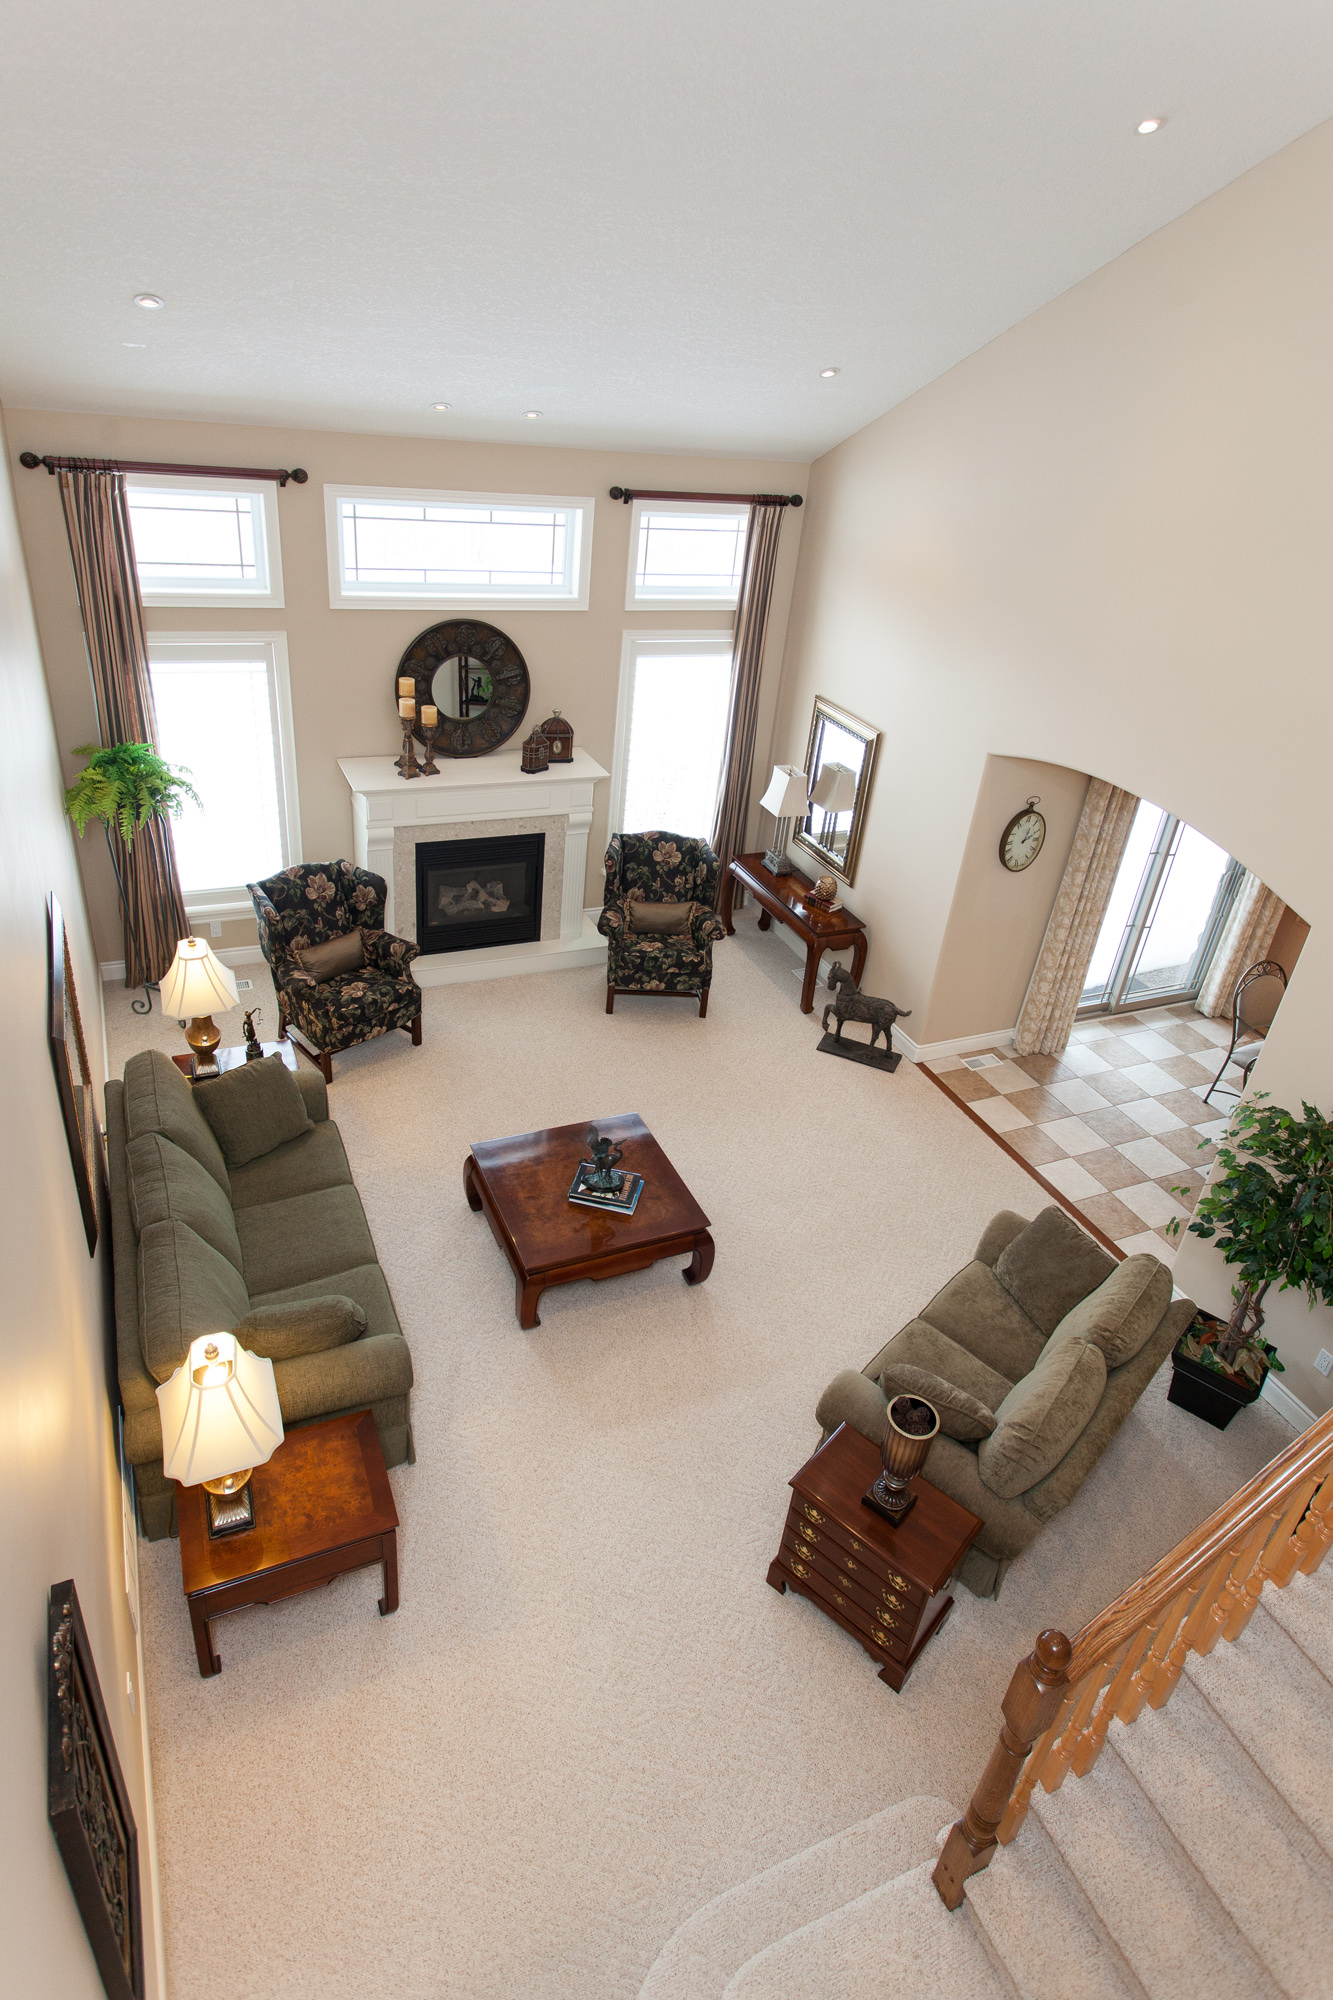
column 888, row 1586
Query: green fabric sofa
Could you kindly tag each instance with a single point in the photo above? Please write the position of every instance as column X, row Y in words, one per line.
column 1034, row 1354
column 274, row 1247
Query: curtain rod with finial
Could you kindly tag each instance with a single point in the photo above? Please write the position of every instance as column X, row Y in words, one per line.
column 31, row 460
column 628, row 493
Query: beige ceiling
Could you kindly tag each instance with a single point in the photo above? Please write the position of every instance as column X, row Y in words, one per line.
column 654, row 224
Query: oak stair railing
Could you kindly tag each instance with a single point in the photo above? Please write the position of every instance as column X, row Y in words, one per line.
column 1062, row 1698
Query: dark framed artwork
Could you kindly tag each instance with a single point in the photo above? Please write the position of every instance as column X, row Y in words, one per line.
column 87, row 1803
column 74, row 1080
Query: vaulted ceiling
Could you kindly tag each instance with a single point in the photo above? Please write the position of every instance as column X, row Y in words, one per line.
column 655, row 225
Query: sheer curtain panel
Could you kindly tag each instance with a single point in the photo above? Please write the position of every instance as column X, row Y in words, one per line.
column 1053, row 994
column 1246, row 938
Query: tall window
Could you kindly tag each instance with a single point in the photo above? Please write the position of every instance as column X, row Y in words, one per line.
column 686, row 553
column 390, row 546
column 224, row 713
column 204, row 541
column 1171, row 897
column 671, row 727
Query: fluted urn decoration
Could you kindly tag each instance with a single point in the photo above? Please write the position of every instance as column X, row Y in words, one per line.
column 910, row 1428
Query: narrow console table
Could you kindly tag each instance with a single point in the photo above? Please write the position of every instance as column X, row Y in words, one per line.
column 783, row 897
column 888, row 1586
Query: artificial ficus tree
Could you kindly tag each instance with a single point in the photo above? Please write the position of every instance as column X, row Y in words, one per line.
column 1270, row 1211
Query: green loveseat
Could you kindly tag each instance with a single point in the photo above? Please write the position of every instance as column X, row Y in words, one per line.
column 275, row 1248
column 1034, row 1354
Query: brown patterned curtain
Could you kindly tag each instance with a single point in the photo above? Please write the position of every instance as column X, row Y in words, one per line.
column 1048, row 1011
column 747, row 655
column 97, row 520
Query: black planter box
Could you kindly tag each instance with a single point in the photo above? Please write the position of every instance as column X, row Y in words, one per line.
column 1205, row 1393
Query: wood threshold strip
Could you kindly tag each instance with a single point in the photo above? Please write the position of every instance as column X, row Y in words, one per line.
column 31, row 460
column 1069, row 1206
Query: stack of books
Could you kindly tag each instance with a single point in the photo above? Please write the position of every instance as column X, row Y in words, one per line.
column 621, row 1203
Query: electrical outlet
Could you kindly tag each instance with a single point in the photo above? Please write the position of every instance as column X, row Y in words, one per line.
column 244, row 985
column 215, row 928
column 1323, row 1361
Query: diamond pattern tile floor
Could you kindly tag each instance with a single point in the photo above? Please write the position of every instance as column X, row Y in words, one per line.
column 1116, row 1123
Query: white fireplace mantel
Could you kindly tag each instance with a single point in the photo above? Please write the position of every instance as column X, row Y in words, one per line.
column 390, row 814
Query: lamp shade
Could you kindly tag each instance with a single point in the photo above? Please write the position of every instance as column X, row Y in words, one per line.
column 787, row 790
column 835, row 789
column 196, row 982
column 220, row 1411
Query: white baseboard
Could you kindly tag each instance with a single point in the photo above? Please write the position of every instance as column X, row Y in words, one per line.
column 1291, row 1407
column 962, row 1045
column 113, row 969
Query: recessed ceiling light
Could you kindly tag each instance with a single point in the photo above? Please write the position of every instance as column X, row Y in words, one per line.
column 1148, row 125
column 149, row 301
column 826, row 372
column 439, row 406
column 532, row 413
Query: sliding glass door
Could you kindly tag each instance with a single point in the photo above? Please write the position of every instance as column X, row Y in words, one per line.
column 1171, row 898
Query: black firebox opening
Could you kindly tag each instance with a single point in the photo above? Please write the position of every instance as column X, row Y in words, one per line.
column 474, row 893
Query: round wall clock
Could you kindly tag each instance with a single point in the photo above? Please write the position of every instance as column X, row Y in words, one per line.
column 1021, row 841
column 476, row 678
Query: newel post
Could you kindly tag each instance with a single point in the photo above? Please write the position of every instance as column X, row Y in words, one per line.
column 1029, row 1708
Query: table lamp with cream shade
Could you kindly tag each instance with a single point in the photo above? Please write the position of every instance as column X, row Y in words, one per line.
column 834, row 792
column 788, row 790
column 194, row 984
column 220, row 1419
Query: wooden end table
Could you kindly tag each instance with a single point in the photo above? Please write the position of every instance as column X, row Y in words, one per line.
column 888, row 1586
column 783, row 897
column 522, row 1185
column 322, row 1507
column 236, row 1058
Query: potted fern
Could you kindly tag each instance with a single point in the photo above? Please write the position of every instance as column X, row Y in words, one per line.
column 124, row 785
column 1270, row 1212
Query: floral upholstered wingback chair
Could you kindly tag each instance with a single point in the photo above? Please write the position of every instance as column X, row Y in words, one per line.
column 317, row 903
column 658, row 917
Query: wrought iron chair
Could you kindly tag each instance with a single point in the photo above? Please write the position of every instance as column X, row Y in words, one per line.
column 1253, row 1005
column 314, row 903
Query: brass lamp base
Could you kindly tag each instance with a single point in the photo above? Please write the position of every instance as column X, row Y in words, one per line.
column 231, row 1504
column 203, row 1037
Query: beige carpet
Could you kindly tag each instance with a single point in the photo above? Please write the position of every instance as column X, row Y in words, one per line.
column 591, row 1715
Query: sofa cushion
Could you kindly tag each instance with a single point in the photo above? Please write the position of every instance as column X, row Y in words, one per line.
column 999, row 1232
column 305, row 1238
column 329, row 961
column 975, row 1310
column 166, row 1184
column 253, row 1109
column 921, row 1345
column 1042, row 1417
column 159, row 1098
column 667, row 919
column 302, row 1326
column 317, row 1159
column 366, row 1286
column 1050, row 1266
column 1122, row 1312
column 343, row 1378
column 960, row 1415
column 186, row 1288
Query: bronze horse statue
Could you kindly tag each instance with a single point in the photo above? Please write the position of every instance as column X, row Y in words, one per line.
column 851, row 1004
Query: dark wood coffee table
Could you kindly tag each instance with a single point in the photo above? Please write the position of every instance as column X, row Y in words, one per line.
column 783, row 897
column 322, row 1506
column 888, row 1586
column 522, row 1186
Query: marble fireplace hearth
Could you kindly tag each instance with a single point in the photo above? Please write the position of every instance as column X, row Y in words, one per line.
column 472, row 799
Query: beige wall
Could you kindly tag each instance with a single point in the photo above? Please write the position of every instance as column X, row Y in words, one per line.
column 997, row 919
column 1103, row 542
column 59, row 1485
column 342, row 662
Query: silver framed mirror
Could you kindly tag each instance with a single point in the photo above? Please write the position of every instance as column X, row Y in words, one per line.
column 840, row 760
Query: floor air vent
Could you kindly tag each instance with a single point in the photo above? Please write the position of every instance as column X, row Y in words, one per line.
column 981, row 1062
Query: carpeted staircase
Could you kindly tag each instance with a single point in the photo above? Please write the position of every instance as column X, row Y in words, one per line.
column 1194, row 1862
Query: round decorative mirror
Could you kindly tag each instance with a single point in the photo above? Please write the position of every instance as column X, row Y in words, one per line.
column 476, row 679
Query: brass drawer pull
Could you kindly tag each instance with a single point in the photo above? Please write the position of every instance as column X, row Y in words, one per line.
column 887, row 1618
column 797, row 1568
column 841, row 1602
column 894, row 1577
column 812, row 1513
column 808, row 1534
column 896, row 1602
